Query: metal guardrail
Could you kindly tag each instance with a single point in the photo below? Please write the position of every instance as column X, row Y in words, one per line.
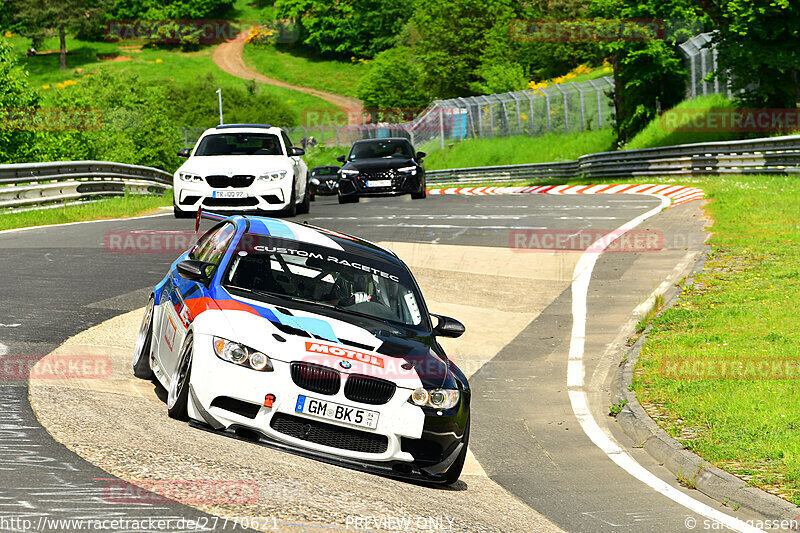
column 39, row 183
column 28, row 184
column 774, row 155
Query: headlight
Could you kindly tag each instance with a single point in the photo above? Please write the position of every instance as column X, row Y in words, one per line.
column 314, row 181
column 436, row 398
column 233, row 352
column 273, row 176
column 408, row 170
column 349, row 172
column 184, row 176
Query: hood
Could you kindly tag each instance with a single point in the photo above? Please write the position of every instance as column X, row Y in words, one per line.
column 380, row 163
column 235, row 164
column 401, row 355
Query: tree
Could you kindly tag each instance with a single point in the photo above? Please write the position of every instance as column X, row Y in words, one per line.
column 129, row 122
column 393, row 86
column 648, row 73
column 759, row 45
column 346, row 28
column 195, row 104
column 449, row 37
column 45, row 17
column 16, row 144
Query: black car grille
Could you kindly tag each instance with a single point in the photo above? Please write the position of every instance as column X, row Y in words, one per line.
column 315, row 378
column 369, row 390
column 220, row 182
column 329, row 435
column 390, row 174
column 231, row 202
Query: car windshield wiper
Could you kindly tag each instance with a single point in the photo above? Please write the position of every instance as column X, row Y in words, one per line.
column 318, row 304
column 293, row 298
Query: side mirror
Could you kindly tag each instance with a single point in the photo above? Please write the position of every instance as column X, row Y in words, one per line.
column 420, row 155
column 193, row 270
column 448, row 327
column 184, row 152
column 296, row 151
column 341, row 159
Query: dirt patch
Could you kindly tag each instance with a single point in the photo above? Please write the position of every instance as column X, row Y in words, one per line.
column 113, row 57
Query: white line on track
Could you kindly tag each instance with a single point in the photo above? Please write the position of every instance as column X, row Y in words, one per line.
column 577, row 394
column 3, row 349
column 15, row 230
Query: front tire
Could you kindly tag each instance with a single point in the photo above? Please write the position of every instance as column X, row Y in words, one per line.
column 178, row 394
column 144, row 343
column 181, row 214
column 305, row 205
column 291, row 209
column 352, row 199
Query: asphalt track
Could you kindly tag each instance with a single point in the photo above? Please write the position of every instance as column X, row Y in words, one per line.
column 59, row 281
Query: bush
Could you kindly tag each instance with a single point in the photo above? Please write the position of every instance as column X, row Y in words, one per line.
column 197, row 105
column 658, row 133
column 135, row 128
column 15, row 146
column 393, row 82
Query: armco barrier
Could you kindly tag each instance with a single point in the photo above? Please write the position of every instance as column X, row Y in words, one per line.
column 29, row 184
column 775, row 155
column 38, row 183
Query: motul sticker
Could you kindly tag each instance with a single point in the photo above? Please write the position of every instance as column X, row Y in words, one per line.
column 315, row 347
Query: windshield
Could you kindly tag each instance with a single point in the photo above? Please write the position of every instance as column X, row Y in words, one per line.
column 325, row 171
column 239, row 144
column 388, row 148
column 290, row 270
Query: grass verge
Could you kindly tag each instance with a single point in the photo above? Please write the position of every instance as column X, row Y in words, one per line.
column 666, row 130
column 519, row 150
column 294, row 66
column 122, row 206
column 150, row 63
column 719, row 370
column 721, row 367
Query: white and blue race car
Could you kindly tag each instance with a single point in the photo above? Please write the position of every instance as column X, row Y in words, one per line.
column 308, row 340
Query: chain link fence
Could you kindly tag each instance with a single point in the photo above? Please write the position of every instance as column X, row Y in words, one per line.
column 561, row 108
column 701, row 62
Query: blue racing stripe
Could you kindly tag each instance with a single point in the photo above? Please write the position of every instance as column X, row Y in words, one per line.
column 267, row 226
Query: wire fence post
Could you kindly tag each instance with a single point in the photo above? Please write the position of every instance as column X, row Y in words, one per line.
column 441, row 126
column 519, row 113
column 583, row 107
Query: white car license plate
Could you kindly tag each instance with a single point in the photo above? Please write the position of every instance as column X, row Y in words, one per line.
column 229, row 194
column 337, row 412
column 379, row 183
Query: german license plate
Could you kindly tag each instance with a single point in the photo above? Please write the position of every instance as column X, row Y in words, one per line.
column 334, row 411
column 379, row 183
column 229, row 194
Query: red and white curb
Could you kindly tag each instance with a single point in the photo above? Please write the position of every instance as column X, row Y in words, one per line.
column 678, row 194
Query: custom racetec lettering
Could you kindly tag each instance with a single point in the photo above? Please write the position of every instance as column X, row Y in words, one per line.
column 324, row 257
column 338, row 351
